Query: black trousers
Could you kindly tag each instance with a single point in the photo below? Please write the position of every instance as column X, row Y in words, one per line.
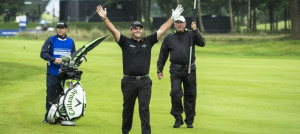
column 52, row 83
column 132, row 89
column 179, row 76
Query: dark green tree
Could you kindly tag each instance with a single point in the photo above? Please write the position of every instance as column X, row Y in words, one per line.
column 166, row 6
column 14, row 6
column 295, row 18
column 143, row 10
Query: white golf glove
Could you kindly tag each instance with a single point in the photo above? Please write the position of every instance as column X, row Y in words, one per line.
column 176, row 13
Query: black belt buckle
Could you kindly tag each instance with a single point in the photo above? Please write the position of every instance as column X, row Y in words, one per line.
column 138, row 77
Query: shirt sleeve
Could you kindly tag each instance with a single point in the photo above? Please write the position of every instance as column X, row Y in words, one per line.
column 163, row 56
column 122, row 41
column 46, row 52
column 152, row 38
column 198, row 38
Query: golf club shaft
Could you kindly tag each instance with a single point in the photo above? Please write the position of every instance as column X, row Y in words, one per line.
column 191, row 47
column 189, row 71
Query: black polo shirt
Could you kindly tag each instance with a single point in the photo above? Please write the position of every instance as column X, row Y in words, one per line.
column 137, row 55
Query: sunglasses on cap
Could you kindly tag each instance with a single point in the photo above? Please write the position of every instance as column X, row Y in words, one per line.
column 61, row 25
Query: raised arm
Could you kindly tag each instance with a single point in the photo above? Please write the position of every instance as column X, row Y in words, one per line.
column 102, row 13
column 198, row 37
column 175, row 14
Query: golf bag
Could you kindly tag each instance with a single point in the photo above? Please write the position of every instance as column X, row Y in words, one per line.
column 69, row 103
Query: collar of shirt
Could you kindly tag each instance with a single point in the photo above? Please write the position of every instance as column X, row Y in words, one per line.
column 185, row 30
column 136, row 40
column 61, row 38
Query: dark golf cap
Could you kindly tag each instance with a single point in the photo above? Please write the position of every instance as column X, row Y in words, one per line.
column 61, row 24
column 135, row 24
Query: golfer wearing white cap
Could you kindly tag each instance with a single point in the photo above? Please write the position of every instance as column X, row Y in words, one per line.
column 177, row 44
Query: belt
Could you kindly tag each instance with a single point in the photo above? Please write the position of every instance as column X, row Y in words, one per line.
column 136, row 77
column 182, row 66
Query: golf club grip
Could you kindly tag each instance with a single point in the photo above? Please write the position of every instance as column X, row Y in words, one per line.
column 194, row 11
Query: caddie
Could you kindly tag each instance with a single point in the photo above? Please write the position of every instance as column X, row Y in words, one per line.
column 53, row 48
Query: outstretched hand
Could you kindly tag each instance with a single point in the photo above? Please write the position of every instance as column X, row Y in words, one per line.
column 176, row 13
column 102, row 13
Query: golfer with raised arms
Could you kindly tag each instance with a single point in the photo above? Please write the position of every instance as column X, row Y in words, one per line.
column 136, row 52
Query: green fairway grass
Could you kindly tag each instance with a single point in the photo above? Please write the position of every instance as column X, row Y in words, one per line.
column 245, row 86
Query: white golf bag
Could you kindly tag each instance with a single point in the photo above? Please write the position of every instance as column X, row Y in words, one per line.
column 70, row 107
column 69, row 103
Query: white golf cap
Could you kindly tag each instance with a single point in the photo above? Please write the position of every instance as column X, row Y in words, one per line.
column 180, row 18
